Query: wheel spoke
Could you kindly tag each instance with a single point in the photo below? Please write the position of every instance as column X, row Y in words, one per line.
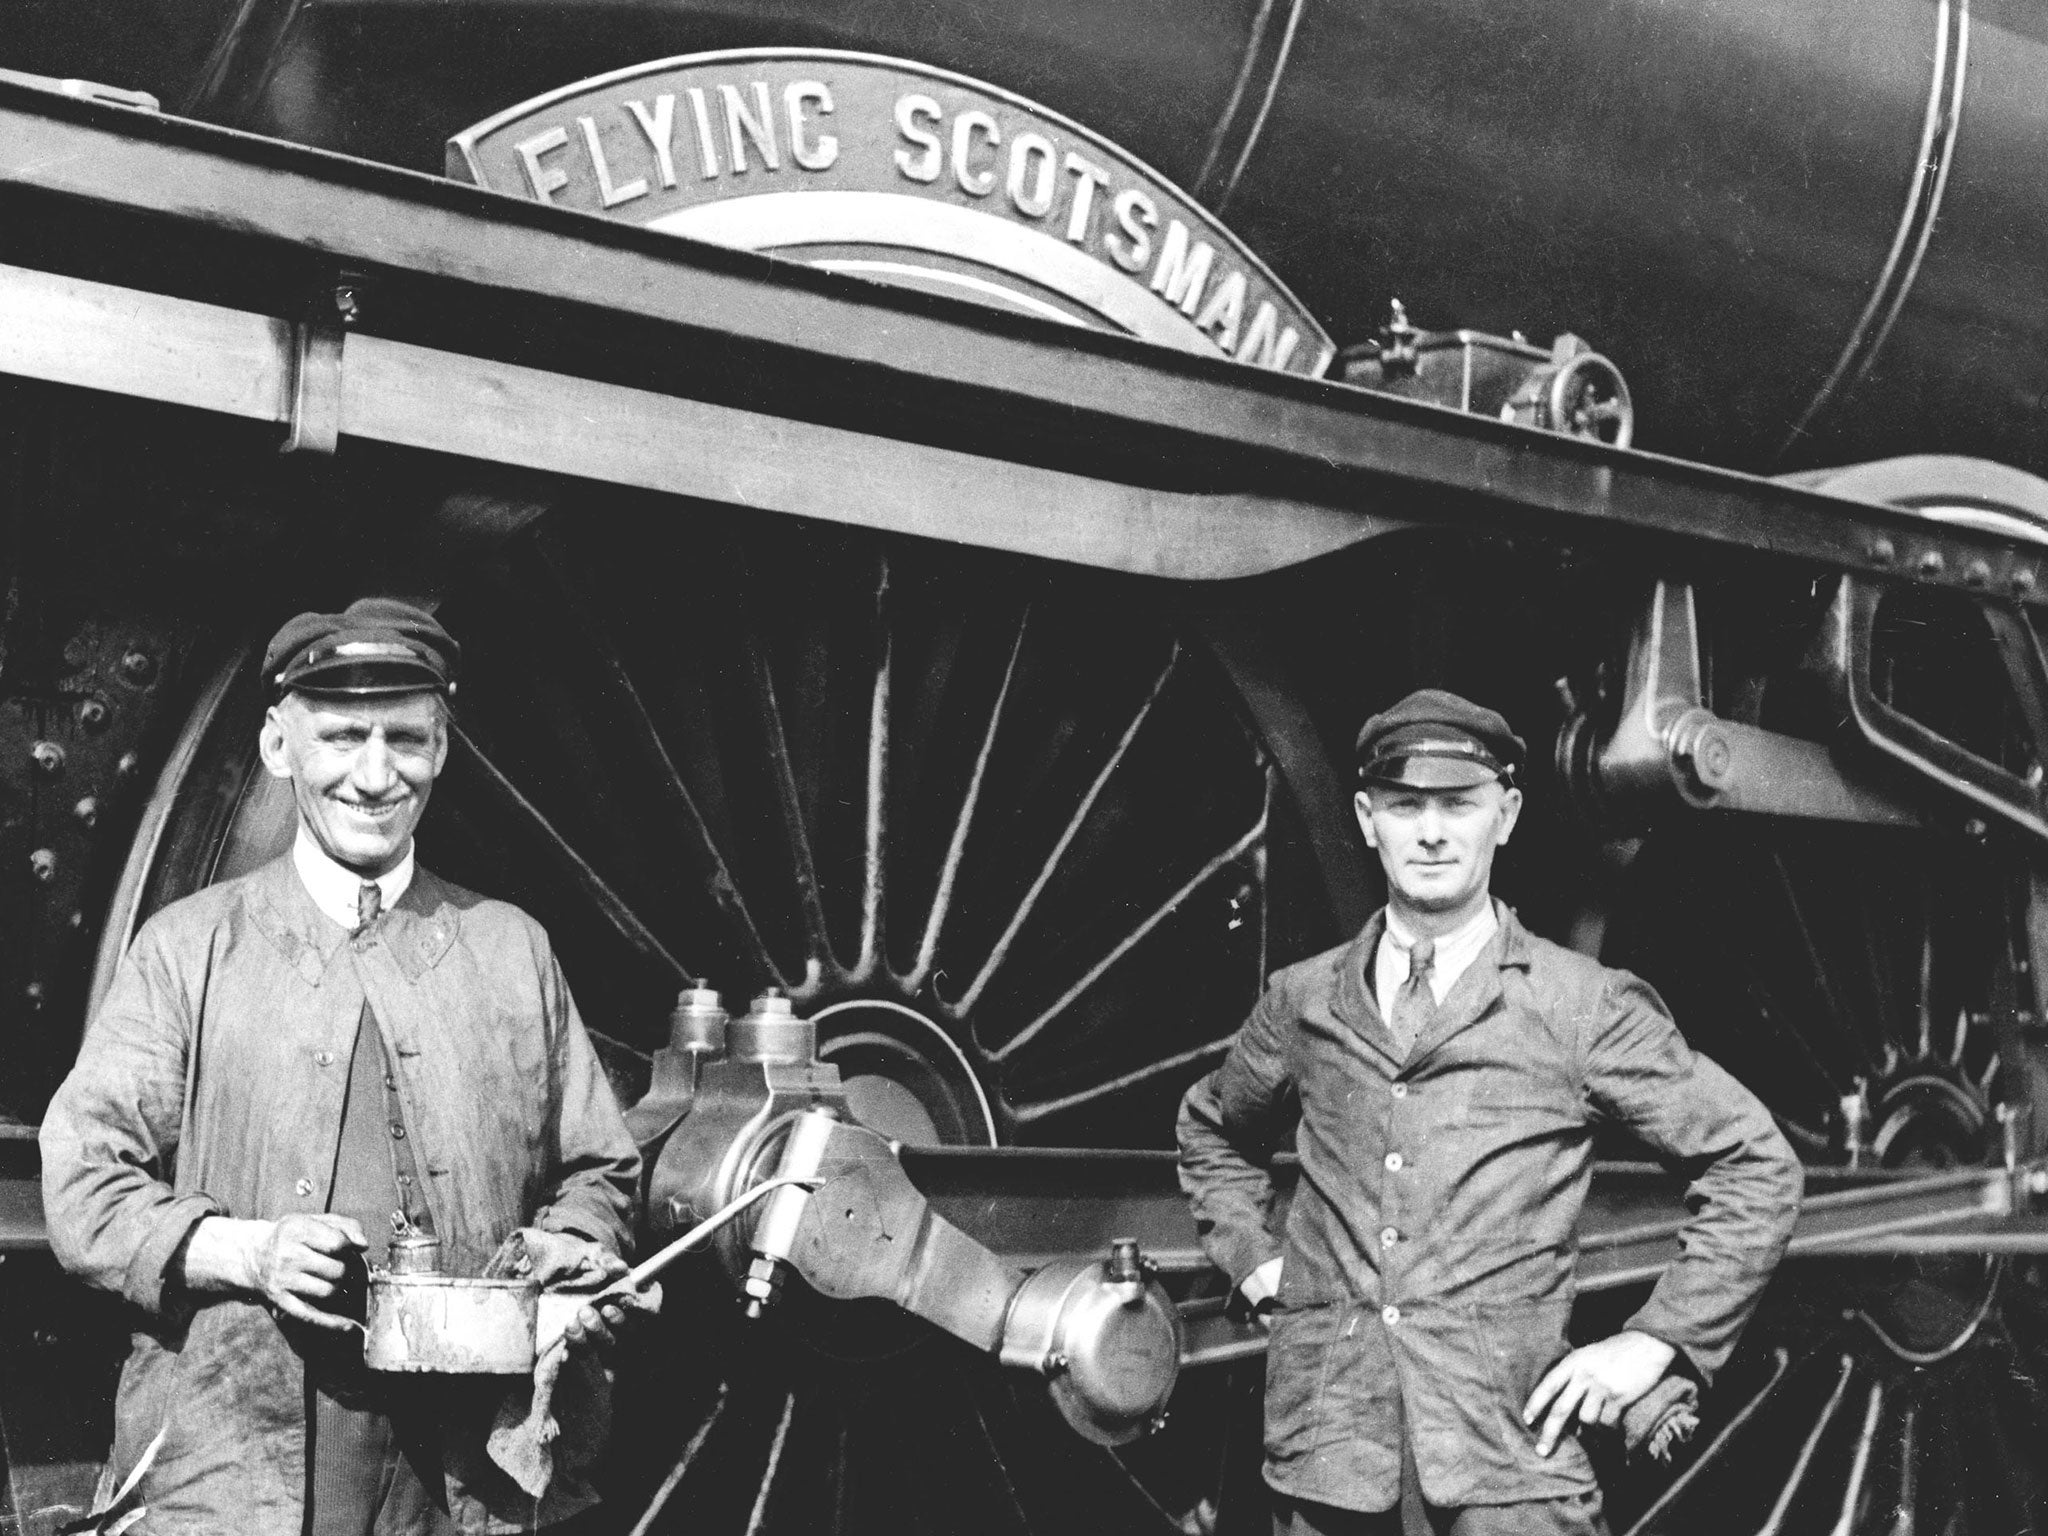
column 1001, row 951
column 1026, row 1113
column 1817, row 968
column 681, row 1469
column 1924, row 1016
column 818, row 956
column 1852, row 1491
column 1229, row 856
column 1903, row 1521
column 631, row 709
column 874, row 900
column 774, row 1466
column 956, row 850
column 1780, row 1365
column 588, row 880
column 1775, row 1524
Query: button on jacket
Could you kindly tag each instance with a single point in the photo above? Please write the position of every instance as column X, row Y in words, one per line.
column 1430, row 1246
column 212, row 1082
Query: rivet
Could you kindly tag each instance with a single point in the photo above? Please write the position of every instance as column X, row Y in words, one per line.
column 92, row 714
column 1882, row 551
column 76, row 921
column 129, row 763
column 87, row 811
column 48, row 756
column 1975, row 827
column 2023, row 580
column 1977, row 573
column 1932, row 563
column 35, row 994
column 43, row 864
column 138, row 666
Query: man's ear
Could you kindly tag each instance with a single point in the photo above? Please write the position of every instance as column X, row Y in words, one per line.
column 443, row 730
column 1510, row 812
column 1361, row 803
column 270, row 744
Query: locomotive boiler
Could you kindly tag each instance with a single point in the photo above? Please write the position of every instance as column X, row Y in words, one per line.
column 990, row 476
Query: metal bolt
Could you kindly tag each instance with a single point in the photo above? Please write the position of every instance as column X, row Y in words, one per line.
column 1882, row 551
column 87, row 811
column 1975, row 827
column 35, row 993
column 1123, row 1259
column 762, row 1285
column 48, row 756
column 345, row 303
column 92, row 714
column 75, row 921
column 1933, row 563
column 43, row 864
column 129, row 763
column 1977, row 573
column 1712, row 758
column 138, row 666
column 2023, row 580
column 2037, row 1181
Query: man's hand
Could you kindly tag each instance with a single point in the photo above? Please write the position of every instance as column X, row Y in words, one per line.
column 293, row 1263
column 1260, row 1289
column 1596, row 1384
column 561, row 1261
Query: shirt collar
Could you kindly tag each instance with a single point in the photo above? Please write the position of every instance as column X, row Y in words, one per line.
column 1455, row 950
column 334, row 887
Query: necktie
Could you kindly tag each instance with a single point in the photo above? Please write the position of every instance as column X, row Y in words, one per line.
column 369, row 902
column 1415, row 1003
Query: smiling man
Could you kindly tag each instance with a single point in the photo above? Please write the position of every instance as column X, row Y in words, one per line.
column 293, row 1065
column 1441, row 1077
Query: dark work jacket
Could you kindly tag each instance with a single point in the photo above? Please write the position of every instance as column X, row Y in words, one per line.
column 211, row 1082
column 1432, row 1240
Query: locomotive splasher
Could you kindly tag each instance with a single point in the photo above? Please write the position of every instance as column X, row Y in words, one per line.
column 1020, row 822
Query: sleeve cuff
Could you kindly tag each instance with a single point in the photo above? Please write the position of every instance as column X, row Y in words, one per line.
column 603, row 1233
column 1263, row 1283
column 144, row 1282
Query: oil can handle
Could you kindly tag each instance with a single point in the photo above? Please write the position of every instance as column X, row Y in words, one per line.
column 637, row 1278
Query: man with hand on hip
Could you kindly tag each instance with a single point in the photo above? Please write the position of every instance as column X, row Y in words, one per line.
column 1441, row 1076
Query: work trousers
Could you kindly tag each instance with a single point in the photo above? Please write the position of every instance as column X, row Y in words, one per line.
column 1576, row 1514
column 369, row 1479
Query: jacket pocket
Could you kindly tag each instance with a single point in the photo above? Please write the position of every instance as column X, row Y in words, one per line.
column 1521, row 1340
column 1298, row 1359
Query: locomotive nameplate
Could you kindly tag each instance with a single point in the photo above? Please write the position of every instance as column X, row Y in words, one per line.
column 904, row 174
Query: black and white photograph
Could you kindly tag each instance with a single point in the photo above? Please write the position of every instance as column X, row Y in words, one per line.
column 1023, row 768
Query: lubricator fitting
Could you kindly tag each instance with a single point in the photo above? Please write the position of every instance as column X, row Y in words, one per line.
column 697, row 1024
column 770, row 1033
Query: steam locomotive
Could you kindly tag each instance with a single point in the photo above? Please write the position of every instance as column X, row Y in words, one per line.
column 990, row 474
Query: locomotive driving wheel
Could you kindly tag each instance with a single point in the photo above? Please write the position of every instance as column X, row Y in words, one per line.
column 1004, row 832
column 1863, row 983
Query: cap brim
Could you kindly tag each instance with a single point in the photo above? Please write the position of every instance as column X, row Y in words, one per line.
column 1423, row 772
column 358, row 681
